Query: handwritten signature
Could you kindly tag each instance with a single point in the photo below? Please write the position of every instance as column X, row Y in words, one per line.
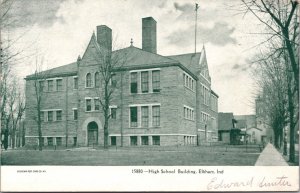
column 217, row 183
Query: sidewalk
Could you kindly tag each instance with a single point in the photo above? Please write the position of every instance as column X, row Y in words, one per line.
column 270, row 157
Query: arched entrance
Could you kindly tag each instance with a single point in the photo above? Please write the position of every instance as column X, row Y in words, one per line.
column 92, row 129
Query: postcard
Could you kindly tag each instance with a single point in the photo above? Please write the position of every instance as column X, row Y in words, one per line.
column 136, row 95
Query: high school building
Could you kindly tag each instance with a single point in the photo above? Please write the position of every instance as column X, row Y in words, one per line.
column 157, row 100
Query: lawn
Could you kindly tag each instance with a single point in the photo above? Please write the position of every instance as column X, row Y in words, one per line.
column 161, row 156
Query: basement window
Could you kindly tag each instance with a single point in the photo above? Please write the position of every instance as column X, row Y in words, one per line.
column 145, row 140
column 133, row 140
column 156, row 140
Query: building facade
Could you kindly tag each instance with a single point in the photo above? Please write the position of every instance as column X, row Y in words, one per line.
column 157, row 100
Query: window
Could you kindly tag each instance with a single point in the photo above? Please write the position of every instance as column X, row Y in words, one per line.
column 59, row 84
column 75, row 114
column 145, row 116
column 156, row 116
column 97, row 80
column 75, row 82
column 113, row 113
column 58, row 115
column 42, row 114
column 97, row 104
column 74, row 141
column 58, row 141
column 88, row 82
column 155, row 140
column 113, row 141
column 50, row 85
column 192, row 84
column 204, row 117
column 188, row 113
column 133, row 140
column 133, row 83
column 188, row 81
column 133, row 116
column 88, row 103
column 156, row 81
column 113, row 80
column 41, row 85
column 145, row 82
column 50, row 116
column 145, row 140
column 50, row 141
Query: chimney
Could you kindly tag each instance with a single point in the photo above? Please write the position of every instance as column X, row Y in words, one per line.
column 104, row 37
column 149, row 34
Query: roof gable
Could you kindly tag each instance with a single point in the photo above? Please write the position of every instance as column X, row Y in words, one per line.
column 203, row 64
column 190, row 61
column 90, row 51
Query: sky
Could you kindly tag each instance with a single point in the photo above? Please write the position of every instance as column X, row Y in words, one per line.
column 57, row 31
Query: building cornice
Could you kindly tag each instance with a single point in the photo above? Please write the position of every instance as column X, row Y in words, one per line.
column 124, row 68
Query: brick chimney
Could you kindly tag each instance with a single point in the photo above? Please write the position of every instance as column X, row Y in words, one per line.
column 104, row 37
column 149, row 34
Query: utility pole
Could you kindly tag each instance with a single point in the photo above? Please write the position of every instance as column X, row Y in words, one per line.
column 196, row 10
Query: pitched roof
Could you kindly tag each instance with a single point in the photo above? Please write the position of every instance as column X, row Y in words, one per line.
column 68, row 69
column 190, row 60
column 134, row 56
column 225, row 121
column 131, row 57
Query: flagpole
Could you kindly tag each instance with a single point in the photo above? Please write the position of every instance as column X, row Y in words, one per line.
column 196, row 27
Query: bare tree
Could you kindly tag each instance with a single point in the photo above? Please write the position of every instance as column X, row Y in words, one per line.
column 109, row 66
column 8, row 51
column 281, row 22
column 15, row 110
column 278, row 17
column 270, row 77
column 38, row 79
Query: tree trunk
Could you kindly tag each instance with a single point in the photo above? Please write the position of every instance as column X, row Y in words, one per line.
column 106, row 133
column 276, row 141
column 13, row 138
column 293, row 63
column 23, row 135
column 40, row 130
column 292, row 127
column 106, row 114
column 40, row 138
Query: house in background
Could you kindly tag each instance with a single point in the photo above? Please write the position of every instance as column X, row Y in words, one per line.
column 225, row 124
column 248, row 125
column 262, row 121
column 158, row 100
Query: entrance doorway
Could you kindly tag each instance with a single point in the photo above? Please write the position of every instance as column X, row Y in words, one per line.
column 92, row 129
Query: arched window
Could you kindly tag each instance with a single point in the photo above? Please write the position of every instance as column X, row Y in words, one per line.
column 97, row 80
column 88, row 81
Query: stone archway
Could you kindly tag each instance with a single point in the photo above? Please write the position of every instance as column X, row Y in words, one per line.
column 92, row 133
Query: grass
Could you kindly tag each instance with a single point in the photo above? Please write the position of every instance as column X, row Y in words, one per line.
column 126, row 156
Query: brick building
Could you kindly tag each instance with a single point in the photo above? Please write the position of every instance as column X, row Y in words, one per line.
column 157, row 100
